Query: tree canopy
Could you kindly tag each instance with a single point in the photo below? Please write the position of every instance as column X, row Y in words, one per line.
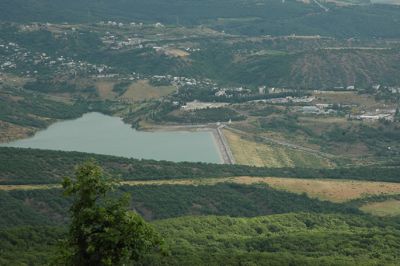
column 103, row 231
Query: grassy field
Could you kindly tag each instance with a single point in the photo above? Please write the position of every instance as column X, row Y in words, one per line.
column 348, row 98
column 248, row 152
column 334, row 190
column 142, row 90
column 385, row 208
column 176, row 52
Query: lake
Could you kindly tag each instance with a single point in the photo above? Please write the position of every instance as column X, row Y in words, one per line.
column 102, row 134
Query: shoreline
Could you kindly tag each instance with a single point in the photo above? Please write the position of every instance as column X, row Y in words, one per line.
column 220, row 141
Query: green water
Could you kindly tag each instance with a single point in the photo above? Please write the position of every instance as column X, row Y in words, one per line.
column 101, row 134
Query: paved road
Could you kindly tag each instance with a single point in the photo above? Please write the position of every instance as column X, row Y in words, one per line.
column 321, row 5
column 225, row 146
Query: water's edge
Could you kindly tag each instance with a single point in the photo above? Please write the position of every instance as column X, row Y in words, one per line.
column 114, row 126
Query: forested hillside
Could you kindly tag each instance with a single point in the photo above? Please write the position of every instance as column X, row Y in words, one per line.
column 281, row 65
column 302, row 97
column 290, row 239
column 154, row 202
column 237, row 16
column 298, row 229
column 49, row 167
column 330, row 238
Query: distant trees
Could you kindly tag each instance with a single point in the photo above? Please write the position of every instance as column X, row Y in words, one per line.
column 208, row 115
column 103, row 231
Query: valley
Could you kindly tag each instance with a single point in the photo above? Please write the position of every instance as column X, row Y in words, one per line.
column 257, row 132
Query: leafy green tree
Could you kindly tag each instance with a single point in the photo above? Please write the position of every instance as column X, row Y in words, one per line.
column 103, row 231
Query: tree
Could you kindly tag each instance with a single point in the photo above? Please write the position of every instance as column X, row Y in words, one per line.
column 103, row 231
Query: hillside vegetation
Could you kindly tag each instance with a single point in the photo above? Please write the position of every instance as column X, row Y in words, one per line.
column 48, row 167
column 237, row 16
column 305, row 239
column 298, row 229
column 308, row 239
column 311, row 90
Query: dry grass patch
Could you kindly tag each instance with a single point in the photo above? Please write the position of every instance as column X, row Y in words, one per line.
column 176, row 52
column 9, row 131
column 12, row 80
column 27, row 187
column 252, row 153
column 185, row 182
column 105, row 89
column 347, row 98
column 332, row 190
column 142, row 90
column 385, row 208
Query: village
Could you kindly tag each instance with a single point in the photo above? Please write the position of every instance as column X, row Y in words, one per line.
column 191, row 93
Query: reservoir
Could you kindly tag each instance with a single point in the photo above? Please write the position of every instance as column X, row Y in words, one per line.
column 102, row 134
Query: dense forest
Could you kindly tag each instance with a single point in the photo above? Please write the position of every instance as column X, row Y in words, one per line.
column 154, row 202
column 294, row 238
column 200, row 224
column 237, row 16
column 37, row 221
column 48, row 167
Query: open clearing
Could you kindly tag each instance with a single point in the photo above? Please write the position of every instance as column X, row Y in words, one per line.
column 142, row 90
column 176, row 52
column 9, row 131
column 332, row 190
column 347, row 98
column 105, row 89
column 27, row 187
column 385, row 208
column 248, row 152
